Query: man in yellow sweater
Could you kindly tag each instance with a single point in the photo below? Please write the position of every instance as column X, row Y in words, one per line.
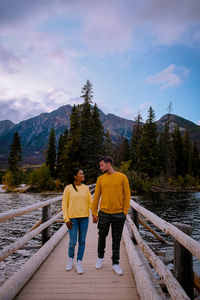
column 113, row 189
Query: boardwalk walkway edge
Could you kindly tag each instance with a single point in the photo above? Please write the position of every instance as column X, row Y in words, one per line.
column 13, row 285
column 145, row 287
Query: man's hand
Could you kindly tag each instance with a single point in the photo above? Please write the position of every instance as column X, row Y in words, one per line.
column 95, row 219
column 69, row 224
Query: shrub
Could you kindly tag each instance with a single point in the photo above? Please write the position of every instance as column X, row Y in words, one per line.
column 8, row 181
column 190, row 180
column 41, row 179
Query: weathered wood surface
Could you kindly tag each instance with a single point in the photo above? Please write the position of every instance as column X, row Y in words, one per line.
column 25, row 210
column 52, row 282
column 8, row 250
column 148, row 227
column 188, row 242
column 145, row 286
column 183, row 262
column 173, row 286
column 14, row 284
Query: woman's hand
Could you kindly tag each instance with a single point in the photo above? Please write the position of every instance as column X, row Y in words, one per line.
column 95, row 219
column 69, row 224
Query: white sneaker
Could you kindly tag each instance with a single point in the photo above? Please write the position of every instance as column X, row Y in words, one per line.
column 69, row 265
column 117, row 269
column 99, row 263
column 79, row 268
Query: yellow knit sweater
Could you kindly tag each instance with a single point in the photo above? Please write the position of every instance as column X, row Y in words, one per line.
column 76, row 204
column 114, row 192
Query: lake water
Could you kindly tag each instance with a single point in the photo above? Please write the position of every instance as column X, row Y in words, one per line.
column 184, row 208
column 174, row 207
column 13, row 229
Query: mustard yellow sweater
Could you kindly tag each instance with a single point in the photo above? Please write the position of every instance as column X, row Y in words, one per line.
column 76, row 204
column 114, row 191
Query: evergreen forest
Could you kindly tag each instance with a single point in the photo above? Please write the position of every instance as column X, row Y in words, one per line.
column 152, row 160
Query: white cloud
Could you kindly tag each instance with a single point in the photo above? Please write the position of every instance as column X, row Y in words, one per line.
column 9, row 62
column 111, row 26
column 170, row 77
column 22, row 107
column 198, row 122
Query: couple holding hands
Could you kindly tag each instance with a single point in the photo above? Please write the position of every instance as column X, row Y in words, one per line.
column 112, row 188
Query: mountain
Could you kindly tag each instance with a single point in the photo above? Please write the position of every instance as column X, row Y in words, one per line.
column 183, row 124
column 34, row 132
column 6, row 126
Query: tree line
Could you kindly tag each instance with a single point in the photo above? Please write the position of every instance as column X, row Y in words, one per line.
column 150, row 158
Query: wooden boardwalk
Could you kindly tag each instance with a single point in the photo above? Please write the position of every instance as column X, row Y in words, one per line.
column 53, row 282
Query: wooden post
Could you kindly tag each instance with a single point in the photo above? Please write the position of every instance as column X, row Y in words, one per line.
column 135, row 219
column 183, row 263
column 46, row 215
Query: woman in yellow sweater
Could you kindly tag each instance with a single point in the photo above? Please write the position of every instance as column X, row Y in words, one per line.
column 75, row 206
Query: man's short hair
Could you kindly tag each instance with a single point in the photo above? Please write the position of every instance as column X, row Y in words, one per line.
column 107, row 159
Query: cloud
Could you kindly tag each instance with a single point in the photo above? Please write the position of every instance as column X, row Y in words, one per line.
column 112, row 26
column 170, row 77
column 22, row 107
column 198, row 122
column 9, row 62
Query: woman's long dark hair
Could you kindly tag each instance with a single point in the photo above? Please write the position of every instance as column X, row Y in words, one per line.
column 71, row 180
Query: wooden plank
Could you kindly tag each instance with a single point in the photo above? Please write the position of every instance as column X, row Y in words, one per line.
column 52, row 281
column 145, row 287
column 174, row 288
column 13, row 285
column 25, row 210
column 188, row 242
column 21, row 242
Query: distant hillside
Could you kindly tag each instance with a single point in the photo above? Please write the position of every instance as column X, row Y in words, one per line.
column 6, row 126
column 34, row 132
column 183, row 124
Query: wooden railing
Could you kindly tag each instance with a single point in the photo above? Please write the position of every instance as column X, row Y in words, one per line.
column 144, row 283
column 147, row 286
column 12, row 286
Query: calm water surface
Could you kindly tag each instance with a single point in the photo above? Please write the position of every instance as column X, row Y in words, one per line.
column 173, row 207
column 184, row 208
column 13, row 229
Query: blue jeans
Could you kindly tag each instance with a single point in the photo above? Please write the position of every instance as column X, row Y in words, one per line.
column 79, row 229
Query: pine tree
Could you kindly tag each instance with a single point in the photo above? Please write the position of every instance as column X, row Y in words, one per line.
column 121, row 151
column 178, row 152
column 51, row 154
column 108, row 144
column 62, row 144
column 148, row 147
column 59, row 155
column 95, row 145
column 15, row 156
column 167, row 151
column 72, row 150
column 195, row 161
column 187, row 154
column 136, row 136
column 85, row 123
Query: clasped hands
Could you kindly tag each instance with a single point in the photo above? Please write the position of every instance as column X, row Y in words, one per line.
column 95, row 219
column 69, row 223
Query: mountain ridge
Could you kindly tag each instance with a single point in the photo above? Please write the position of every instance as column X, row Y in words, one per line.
column 34, row 132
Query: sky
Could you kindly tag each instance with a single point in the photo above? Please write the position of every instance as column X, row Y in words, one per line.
column 136, row 54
